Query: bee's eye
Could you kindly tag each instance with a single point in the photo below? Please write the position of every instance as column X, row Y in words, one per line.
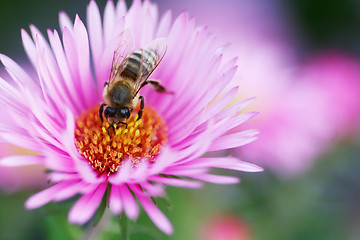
column 125, row 112
column 110, row 112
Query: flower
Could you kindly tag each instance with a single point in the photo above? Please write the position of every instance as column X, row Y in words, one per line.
column 225, row 226
column 319, row 107
column 57, row 116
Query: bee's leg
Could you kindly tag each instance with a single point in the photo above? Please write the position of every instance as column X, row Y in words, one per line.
column 111, row 126
column 142, row 104
column 157, row 86
column 101, row 109
column 123, row 123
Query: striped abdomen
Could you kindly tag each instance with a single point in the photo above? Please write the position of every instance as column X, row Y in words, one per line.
column 141, row 61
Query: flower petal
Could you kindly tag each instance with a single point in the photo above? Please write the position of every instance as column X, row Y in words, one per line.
column 176, row 182
column 234, row 140
column 41, row 198
column 158, row 218
column 95, row 34
column 130, row 206
column 21, row 160
column 65, row 21
column 86, row 206
column 218, row 179
column 115, row 201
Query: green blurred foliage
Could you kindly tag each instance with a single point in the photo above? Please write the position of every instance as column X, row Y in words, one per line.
column 327, row 24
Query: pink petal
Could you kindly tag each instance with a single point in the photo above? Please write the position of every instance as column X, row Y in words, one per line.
column 115, row 200
column 216, row 178
column 64, row 70
column 18, row 74
column 65, row 21
column 55, row 177
column 95, row 34
column 164, row 25
column 238, row 120
column 121, row 8
column 234, row 140
column 59, row 162
column 70, row 191
column 29, row 47
column 183, row 171
column 224, row 162
column 130, row 206
column 153, row 190
column 201, row 144
column 81, row 41
column 41, row 198
column 12, row 99
column 234, row 109
column 247, row 167
column 123, row 174
column 37, row 34
column 176, row 182
column 158, row 218
column 21, row 141
column 21, row 160
column 86, row 206
column 219, row 105
column 140, row 172
column 73, row 60
column 109, row 21
column 164, row 159
column 81, row 164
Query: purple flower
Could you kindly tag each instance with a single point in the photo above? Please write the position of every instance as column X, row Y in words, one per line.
column 57, row 116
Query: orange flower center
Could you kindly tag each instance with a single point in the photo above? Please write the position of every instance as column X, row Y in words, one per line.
column 106, row 148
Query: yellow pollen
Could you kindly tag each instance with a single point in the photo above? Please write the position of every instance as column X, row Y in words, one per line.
column 105, row 148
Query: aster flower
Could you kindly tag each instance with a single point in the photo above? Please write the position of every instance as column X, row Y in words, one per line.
column 57, row 116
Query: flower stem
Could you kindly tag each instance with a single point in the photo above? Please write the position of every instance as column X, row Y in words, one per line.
column 124, row 227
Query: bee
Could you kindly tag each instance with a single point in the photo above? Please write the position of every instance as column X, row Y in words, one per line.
column 129, row 73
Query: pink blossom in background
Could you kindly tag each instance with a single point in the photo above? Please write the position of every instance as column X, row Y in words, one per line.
column 57, row 115
column 225, row 226
column 320, row 107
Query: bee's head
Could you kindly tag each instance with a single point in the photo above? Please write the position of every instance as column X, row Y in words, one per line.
column 117, row 113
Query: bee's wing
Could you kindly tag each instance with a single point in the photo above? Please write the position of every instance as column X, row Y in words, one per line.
column 157, row 48
column 121, row 54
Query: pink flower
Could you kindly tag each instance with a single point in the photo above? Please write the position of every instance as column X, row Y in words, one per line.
column 225, row 226
column 319, row 107
column 57, row 116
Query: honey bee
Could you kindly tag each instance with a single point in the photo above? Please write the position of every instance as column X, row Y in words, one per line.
column 129, row 73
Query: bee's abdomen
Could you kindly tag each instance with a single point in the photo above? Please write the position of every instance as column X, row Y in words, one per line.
column 141, row 61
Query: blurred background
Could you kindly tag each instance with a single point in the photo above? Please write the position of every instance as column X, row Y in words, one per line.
column 300, row 58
